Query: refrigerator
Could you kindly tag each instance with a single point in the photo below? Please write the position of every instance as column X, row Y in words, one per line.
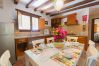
column 7, row 41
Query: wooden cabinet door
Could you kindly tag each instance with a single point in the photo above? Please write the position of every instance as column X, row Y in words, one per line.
column 83, row 40
column 41, row 23
column 55, row 22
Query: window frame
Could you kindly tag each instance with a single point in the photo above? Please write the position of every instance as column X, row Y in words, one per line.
column 31, row 15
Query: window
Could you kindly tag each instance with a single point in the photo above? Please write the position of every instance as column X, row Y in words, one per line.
column 34, row 24
column 23, row 22
column 27, row 21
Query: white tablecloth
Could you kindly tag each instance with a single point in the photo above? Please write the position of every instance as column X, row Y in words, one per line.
column 43, row 59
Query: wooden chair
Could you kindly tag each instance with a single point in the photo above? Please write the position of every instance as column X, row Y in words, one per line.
column 89, row 59
column 50, row 40
column 91, row 43
column 38, row 43
column 4, row 59
column 72, row 39
column 91, row 56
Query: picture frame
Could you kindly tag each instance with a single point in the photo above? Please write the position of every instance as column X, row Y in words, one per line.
column 46, row 23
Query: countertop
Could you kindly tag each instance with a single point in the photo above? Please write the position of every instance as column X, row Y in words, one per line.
column 17, row 37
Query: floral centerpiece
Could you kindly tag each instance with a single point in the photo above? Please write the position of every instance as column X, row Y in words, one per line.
column 59, row 34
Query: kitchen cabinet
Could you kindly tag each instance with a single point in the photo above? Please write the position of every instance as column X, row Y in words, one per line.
column 25, row 43
column 55, row 22
column 83, row 40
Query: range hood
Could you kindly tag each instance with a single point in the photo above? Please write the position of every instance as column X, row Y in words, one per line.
column 72, row 20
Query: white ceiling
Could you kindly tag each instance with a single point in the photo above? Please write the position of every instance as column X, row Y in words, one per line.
column 37, row 3
column 25, row 1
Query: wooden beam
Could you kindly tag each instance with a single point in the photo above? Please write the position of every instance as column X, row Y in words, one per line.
column 67, row 1
column 42, row 12
column 47, row 13
column 84, row 6
column 27, row 6
column 75, row 5
column 27, row 13
column 16, row 1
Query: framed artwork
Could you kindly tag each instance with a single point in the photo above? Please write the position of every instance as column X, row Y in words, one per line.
column 1, row 3
column 46, row 22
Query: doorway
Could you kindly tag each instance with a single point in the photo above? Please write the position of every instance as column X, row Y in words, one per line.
column 95, row 30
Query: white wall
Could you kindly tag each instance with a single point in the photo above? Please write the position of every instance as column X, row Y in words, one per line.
column 77, row 29
column 79, row 13
column 8, row 13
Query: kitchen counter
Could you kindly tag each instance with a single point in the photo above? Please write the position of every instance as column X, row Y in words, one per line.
column 18, row 37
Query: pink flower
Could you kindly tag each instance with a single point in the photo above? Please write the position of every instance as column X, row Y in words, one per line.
column 59, row 33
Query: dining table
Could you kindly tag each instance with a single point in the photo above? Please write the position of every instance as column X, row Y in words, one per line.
column 52, row 56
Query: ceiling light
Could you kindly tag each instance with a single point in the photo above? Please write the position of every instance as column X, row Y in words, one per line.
column 58, row 4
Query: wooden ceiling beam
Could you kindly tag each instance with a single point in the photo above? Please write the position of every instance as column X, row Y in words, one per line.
column 75, row 5
column 27, row 5
column 80, row 3
column 84, row 6
column 88, row 5
column 47, row 13
column 67, row 1
column 16, row 1
column 42, row 12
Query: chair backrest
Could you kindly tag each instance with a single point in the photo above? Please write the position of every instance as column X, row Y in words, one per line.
column 72, row 39
column 91, row 61
column 91, row 43
column 92, row 53
column 50, row 40
column 4, row 59
column 38, row 42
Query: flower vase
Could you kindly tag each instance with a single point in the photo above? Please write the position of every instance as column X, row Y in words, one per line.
column 59, row 40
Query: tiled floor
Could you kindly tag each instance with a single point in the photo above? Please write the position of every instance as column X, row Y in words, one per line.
column 20, row 62
column 81, row 62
